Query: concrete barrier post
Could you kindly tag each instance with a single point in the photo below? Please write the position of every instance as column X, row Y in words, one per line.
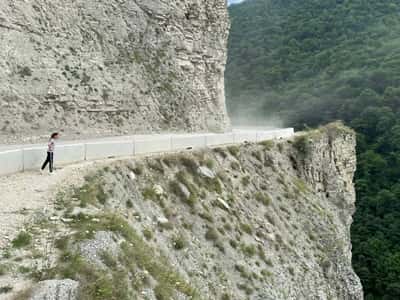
column 11, row 162
column 68, row 154
column 220, row 139
column 156, row 144
column 103, row 150
column 245, row 136
column 188, row 142
column 34, row 157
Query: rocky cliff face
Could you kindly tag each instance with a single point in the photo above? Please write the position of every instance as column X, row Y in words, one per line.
column 111, row 67
column 258, row 221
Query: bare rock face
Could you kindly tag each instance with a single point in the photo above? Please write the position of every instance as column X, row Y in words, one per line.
column 328, row 165
column 111, row 67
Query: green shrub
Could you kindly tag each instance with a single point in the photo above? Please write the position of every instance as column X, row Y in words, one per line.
column 233, row 244
column 190, row 164
column 6, row 289
column 25, row 72
column 221, row 152
column 235, row 166
column 206, row 216
column 149, row 194
column 211, row 234
column 61, row 243
column 210, row 163
column 129, row 204
column 225, row 296
column 300, row 185
column 267, row 145
column 92, row 192
column 108, row 259
column 247, row 228
column 156, row 165
column 179, row 242
column 263, row 198
column 302, row 145
column 248, row 250
column 266, row 273
column 22, row 240
column 3, row 269
column 138, row 169
column 257, row 155
column 246, row 180
column 148, row 234
column 234, row 151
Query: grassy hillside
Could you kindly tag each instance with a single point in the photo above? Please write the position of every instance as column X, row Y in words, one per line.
column 310, row 62
column 233, row 223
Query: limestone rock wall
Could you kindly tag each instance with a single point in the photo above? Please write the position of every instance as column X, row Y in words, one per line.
column 327, row 162
column 105, row 67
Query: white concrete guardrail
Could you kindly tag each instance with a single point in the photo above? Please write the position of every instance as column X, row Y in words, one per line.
column 21, row 158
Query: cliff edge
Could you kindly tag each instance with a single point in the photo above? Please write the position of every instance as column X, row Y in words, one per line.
column 257, row 221
column 95, row 68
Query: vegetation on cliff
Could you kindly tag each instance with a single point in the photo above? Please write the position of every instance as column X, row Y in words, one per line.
column 310, row 62
column 238, row 222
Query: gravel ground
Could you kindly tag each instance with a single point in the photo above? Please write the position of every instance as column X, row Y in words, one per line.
column 23, row 193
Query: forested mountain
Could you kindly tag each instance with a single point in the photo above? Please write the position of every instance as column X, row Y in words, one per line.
column 310, row 62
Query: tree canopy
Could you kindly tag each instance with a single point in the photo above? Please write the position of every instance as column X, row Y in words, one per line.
column 311, row 62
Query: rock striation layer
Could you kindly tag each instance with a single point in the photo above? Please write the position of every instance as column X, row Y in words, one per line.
column 111, row 67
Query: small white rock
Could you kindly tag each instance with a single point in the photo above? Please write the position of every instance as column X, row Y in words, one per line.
column 158, row 189
column 206, row 172
column 224, row 204
column 132, row 176
column 66, row 220
column 162, row 220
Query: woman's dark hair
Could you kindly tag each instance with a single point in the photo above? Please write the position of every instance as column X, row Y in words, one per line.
column 54, row 135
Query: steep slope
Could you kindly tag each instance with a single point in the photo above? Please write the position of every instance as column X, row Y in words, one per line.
column 311, row 62
column 110, row 67
column 257, row 221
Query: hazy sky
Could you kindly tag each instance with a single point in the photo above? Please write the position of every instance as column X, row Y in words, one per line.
column 234, row 1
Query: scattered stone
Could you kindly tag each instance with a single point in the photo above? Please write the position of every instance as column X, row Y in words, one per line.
column 84, row 211
column 56, row 290
column 67, row 220
column 158, row 189
column 206, row 172
column 92, row 249
column 223, row 203
column 132, row 176
column 258, row 240
column 162, row 220
column 184, row 190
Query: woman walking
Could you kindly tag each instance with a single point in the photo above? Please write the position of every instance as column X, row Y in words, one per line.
column 50, row 152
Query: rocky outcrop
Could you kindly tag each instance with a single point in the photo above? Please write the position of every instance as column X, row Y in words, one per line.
column 326, row 158
column 111, row 67
column 256, row 221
